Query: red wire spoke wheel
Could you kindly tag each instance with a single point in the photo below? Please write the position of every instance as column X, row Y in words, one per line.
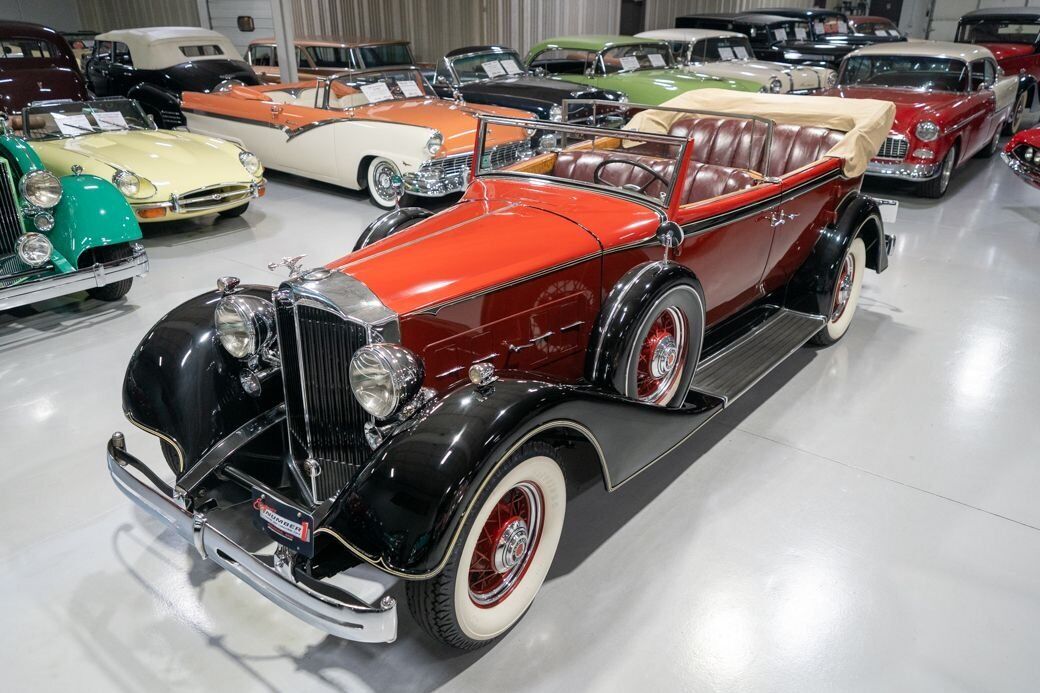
column 662, row 357
column 507, row 543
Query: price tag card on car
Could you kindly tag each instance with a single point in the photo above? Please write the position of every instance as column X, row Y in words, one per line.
column 741, row 52
column 493, row 68
column 780, row 34
column 657, row 60
column 110, row 120
column 409, row 88
column 629, row 62
column 511, row 67
column 889, row 209
column 818, row 27
column 726, row 53
column 376, row 92
column 73, row 125
column 843, row 28
column 800, row 34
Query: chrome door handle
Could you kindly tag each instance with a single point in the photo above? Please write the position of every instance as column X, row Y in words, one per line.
column 781, row 218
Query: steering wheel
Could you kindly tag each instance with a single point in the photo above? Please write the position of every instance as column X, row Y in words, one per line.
column 628, row 186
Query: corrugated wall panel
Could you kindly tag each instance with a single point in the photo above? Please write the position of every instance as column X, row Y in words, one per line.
column 661, row 14
column 104, row 15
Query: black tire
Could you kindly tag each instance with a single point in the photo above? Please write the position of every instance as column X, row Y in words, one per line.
column 233, row 212
column 855, row 263
column 1014, row 121
column 937, row 187
column 433, row 602
column 108, row 253
column 992, row 148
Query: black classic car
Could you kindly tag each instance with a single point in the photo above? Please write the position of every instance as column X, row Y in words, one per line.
column 793, row 36
column 497, row 76
column 155, row 65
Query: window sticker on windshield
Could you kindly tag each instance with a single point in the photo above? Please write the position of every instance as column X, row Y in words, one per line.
column 818, row 27
column 409, row 88
column 843, row 28
column 894, row 32
column 72, row 125
column 630, row 62
column 780, row 34
column 493, row 68
column 800, row 34
column 511, row 67
column 110, row 120
column 657, row 60
column 726, row 53
column 376, row 92
column 741, row 52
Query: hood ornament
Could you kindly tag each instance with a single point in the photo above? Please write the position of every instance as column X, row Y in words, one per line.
column 292, row 263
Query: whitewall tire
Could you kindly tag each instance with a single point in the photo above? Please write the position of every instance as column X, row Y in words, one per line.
column 846, row 294
column 380, row 172
column 502, row 556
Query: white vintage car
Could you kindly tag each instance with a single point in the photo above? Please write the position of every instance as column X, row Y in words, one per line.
column 728, row 55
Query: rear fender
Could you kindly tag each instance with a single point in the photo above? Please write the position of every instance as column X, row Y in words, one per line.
column 183, row 387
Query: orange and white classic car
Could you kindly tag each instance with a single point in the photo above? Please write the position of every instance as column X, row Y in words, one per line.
column 360, row 130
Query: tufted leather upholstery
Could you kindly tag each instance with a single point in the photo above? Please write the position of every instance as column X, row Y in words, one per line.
column 703, row 181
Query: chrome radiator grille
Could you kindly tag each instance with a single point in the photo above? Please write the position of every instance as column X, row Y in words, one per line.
column 500, row 156
column 10, row 217
column 325, row 421
column 894, row 148
column 212, row 196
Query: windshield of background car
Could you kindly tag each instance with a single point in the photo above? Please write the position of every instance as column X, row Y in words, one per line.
column 905, row 72
column 386, row 54
column 877, row 29
column 329, row 56
column 646, row 56
column 781, row 32
column 830, row 25
column 563, row 61
column 76, row 118
column 999, row 32
column 473, row 68
column 366, row 88
column 723, row 49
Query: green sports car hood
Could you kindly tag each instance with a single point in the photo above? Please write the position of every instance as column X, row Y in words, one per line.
column 657, row 86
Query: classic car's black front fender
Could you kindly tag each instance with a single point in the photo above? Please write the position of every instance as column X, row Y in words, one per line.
column 811, row 289
column 183, row 387
column 1027, row 85
column 389, row 224
column 409, row 505
column 155, row 99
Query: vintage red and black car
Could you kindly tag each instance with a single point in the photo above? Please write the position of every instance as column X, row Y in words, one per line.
column 37, row 65
column 1022, row 155
column 952, row 102
column 423, row 404
column 1012, row 34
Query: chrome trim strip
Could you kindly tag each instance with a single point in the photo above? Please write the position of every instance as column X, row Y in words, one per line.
column 911, row 172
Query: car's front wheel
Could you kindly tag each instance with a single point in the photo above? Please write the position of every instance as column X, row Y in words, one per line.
column 1014, row 123
column 937, row 187
column 381, row 184
column 502, row 556
column 233, row 212
column 104, row 254
column 846, row 294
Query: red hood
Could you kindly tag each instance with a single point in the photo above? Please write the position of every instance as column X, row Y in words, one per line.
column 473, row 246
column 1030, row 136
column 1002, row 51
column 911, row 106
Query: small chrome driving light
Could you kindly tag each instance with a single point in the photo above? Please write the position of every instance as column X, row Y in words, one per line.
column 924, row 153
column 128, row 183
column 34, row 249
column 556, row 114
column 249, row 162
column 434, row 144
column 384, row 377
column 43, row 221
column 482, row 374
column 244, row 324
column 41, row 188
column 775, row 86
column 926, row 131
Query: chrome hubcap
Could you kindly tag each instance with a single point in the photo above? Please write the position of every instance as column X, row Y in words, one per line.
column 666, row 353
column 507, row 542
column 947, row 169
column 511, row 545
column 384, row 182
column 659, row 368
column 844, row 288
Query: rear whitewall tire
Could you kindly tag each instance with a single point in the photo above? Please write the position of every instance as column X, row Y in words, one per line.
column 838, row 324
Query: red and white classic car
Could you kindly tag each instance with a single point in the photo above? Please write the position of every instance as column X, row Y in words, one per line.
column 1022, row 155
column 952, row 101
column 423, row 404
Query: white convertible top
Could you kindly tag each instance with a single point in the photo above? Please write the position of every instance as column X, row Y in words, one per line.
column 157, row 47
column 688, row 34
column 928, row 49
column 865, row 122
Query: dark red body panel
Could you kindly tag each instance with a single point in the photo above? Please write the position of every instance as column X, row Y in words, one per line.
column 23, row 80
column 1015, row 57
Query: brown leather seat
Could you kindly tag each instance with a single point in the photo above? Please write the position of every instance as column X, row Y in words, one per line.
column 36, row 122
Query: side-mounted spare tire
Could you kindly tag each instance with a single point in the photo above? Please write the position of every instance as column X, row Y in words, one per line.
column 389, row 224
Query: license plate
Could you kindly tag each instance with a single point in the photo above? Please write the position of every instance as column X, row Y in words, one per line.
column 889, row 209
column 284, row 523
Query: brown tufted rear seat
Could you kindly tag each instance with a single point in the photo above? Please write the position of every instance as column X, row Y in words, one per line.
column 703, row 181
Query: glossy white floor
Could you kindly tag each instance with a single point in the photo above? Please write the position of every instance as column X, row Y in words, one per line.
column 865, row 519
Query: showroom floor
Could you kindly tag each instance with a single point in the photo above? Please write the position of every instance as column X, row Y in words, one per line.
column 865, row 519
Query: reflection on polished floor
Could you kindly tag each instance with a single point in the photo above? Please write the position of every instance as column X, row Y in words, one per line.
column 864, row 519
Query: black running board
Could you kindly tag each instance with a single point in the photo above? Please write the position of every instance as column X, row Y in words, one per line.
column 732, row 371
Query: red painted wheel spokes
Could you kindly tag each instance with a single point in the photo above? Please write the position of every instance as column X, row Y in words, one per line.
column 507, row 543
column 665, row 342
column 843, row 288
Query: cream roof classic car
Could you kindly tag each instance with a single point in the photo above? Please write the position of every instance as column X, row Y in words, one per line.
column 158, row 47
column 936, row 49
column 728, row 54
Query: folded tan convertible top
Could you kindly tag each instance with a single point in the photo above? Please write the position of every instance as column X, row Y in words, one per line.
column 866, row 122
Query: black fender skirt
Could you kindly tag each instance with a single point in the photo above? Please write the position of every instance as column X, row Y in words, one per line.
column 408, row 506
column 811, row 289
column 183, row 387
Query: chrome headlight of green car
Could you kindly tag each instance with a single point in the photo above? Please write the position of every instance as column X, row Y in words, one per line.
column 34, row 249
column 41, row 188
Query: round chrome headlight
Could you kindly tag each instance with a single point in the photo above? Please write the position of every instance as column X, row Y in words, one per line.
column 33, row 249
column 433, row 145
column 384, row 377
column 249, row 162
column 775, row 86
column 244, row 324
column 556, row 114
column 41, row 188
column 128, row 183
column 832, row 79
column 926, row 131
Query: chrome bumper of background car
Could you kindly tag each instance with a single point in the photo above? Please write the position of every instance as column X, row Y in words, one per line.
column 210, row 198
column 434, row 182
column 1030, row 175
column 902, row 170
column 438, row 177
column 332, row 610
column 54, row 285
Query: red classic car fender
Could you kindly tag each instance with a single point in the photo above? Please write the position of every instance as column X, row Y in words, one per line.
column 411, row 502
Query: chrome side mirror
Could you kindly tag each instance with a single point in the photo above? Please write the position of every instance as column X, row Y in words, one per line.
column 670, row 235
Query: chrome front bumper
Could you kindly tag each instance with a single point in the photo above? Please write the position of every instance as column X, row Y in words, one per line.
column 1029, row 175
column 434, row 183
column 54, row 285
column 903, row 171
column 333, row 610
column 199, row 201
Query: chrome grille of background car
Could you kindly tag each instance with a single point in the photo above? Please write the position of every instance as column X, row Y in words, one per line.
column 325, row 421
column 503, row 155
column 894, row 148
column 10, row 217
column 212, row 196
